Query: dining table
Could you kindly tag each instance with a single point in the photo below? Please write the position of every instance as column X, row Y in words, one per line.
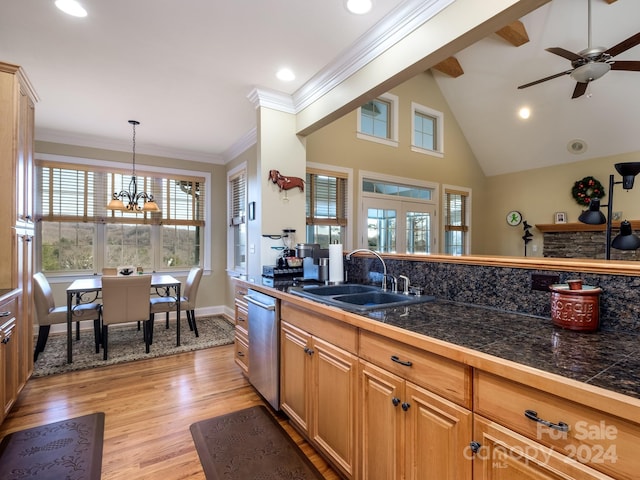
column 86, row 290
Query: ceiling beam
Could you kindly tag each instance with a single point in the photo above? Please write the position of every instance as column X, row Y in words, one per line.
column 450, row 66
column 515, row 33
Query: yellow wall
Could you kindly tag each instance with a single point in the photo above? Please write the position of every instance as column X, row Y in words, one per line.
column 337, row 144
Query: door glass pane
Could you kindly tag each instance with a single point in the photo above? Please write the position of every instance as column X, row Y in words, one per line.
column 418, row 232
column 381, row 229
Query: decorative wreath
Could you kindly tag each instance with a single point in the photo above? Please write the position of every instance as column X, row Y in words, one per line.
column 586, row 189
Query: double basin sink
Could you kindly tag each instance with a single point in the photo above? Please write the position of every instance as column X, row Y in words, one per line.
column 358, row 298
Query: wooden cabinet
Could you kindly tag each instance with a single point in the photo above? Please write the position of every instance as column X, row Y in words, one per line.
column 503, row 454
column 574, row 431
column 409, row 432
column 9, row 386
column 242, row 328
column 319, row 385
column 17, row 100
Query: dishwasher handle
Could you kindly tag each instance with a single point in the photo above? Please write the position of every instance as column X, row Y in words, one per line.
column 266, row 306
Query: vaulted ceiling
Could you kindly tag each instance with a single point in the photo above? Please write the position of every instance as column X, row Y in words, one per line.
column 184, row 70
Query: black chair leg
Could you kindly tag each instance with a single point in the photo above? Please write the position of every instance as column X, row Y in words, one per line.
column 96, row 334
column 105, row 340
column 43, row 335
column 147, row 328
column 192, row 321
column 167, row 320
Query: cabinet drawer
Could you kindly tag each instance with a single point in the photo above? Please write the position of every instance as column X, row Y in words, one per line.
column 593, row 437
column 240, row 292
column 446, row 377
column 241, row 354
column 242, row 318
column 8, row 310
column 333, row 331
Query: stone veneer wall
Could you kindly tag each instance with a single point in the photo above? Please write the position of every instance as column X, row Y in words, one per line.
column 506, row 288
column 582, row 245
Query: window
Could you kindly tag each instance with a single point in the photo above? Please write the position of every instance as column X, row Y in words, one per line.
column 237, row 238
column 326, row 207
column 398, row 215
column 456, row 220
column 378, row 120
column 79, row 234
column 427, row 130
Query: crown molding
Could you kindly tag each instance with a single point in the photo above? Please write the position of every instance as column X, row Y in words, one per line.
column 263, row 97
column 243, row 144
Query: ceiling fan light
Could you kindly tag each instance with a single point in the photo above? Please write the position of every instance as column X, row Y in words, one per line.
column 590, row 71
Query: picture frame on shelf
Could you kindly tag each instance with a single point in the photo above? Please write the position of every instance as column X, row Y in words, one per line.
column 560, row 217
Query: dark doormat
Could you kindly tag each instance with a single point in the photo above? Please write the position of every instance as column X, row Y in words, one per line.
column 249, row 444
column 66, row 450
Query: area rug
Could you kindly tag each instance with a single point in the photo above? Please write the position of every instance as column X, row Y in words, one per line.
column 249, row 444
column 126, row 344
column 70, row 449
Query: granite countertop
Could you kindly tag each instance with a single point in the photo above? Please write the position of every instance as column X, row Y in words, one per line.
column 608, row 360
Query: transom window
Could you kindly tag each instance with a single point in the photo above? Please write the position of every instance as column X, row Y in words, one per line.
column 79, row 234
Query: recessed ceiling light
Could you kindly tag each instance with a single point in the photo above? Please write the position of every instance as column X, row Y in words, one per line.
column 71, row 7
column 359, row 7
column 286, row 75
column 524, row 113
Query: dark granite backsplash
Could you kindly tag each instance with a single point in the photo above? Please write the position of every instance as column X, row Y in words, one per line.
column 506, row 288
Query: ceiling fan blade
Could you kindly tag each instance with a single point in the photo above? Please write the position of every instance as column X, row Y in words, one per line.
column 567, row 72
column 564, row 53
column 630, row 65
column 580, row 89
column 624, row 45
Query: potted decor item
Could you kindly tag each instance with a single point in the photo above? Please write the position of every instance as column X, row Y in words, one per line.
column 575, row 306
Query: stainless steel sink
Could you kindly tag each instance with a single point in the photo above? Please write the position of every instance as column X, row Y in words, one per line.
column 358, row 298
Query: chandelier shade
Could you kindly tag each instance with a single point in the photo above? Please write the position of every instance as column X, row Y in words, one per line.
column 131, row 200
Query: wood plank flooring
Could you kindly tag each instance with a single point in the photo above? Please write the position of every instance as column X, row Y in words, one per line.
column 149, row 406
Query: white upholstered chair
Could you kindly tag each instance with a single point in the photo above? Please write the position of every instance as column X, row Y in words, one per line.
column 125, row 300
column 187, row 301
column 48, row 314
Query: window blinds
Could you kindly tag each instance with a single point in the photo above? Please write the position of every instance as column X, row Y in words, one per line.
column 326, row 198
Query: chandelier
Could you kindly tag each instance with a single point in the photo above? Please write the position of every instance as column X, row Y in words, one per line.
column 130, row 199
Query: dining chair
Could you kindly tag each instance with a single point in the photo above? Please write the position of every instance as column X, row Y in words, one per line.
column 126, row 300
column 48, row 314
column 168, row 304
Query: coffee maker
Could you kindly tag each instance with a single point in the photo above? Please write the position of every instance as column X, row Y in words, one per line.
column 315, row 262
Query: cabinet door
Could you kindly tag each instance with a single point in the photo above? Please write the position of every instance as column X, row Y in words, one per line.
column 8, row 356
column 381, row 423
column 295, row 374
column 26, row 310
column 506, row 455
column 438, row 433
column 333, row 401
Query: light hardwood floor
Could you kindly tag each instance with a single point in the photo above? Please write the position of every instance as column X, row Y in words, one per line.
column 149, row 406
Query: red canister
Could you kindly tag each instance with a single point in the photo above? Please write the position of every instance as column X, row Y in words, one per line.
column 575, row 309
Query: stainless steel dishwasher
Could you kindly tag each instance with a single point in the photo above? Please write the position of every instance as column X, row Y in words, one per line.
column 264, row 345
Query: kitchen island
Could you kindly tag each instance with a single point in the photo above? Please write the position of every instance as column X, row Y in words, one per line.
column 583, row 388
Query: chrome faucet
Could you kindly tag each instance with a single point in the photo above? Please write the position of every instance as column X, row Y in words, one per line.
column 407, row 284
column 384, row 265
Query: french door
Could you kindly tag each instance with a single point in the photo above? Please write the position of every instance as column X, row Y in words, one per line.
column 398, row 226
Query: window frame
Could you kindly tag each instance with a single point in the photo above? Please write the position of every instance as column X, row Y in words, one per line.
column 439, row 127
column 393, row 128
column 232, row 268
column 332, row 170
column 100, row 241
column 466, row 228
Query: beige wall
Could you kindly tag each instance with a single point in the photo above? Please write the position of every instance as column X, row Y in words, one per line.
column 213, row 285
column 539, row 193
column 337, row 144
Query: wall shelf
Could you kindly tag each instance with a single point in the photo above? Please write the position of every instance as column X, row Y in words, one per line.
column 581, row 227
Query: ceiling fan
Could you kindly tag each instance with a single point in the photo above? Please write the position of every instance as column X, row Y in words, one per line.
column 593, row 62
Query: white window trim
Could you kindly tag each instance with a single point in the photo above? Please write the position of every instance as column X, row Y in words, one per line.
column 206, row 250
column 439, row 116
column 362, row 174
column 350, row 196
column 395, row 106
column 467, row 219
column 231, row 270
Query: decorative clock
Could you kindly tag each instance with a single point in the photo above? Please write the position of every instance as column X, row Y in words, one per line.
column 514, row 218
